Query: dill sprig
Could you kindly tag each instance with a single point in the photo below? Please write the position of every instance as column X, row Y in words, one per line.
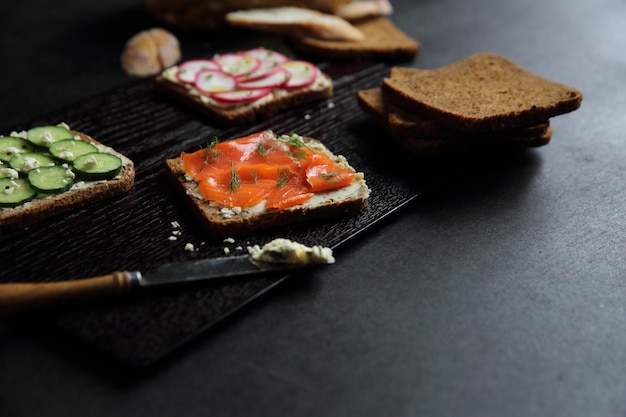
column 233, row 185
column 212, row 155
column 284, row 176
column 262, row 150
column 254, row 175
column 293, row 139
column 330, row 176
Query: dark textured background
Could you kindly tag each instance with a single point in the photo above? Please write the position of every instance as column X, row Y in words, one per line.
column 499, row 293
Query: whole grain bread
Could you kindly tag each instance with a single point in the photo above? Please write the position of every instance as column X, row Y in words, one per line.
column 429, row 139
column 383, row 41
column 244, row 113
column 223, row 222
column 483, row 92
column 43, row 208
column 400, row 122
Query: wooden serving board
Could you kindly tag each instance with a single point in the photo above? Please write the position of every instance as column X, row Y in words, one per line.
column 132, row 232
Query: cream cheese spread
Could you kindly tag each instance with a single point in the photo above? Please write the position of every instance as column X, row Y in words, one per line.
column 289, row 252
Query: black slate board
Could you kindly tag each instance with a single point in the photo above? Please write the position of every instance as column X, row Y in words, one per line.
column 131, row 232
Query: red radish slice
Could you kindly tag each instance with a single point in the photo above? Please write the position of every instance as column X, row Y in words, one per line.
column 275, row 79
column 211, row 81
column 265, row 54
column 302, row 73
column 238, row 64
column 241, row 96
column 264, row 69
column 188, row 70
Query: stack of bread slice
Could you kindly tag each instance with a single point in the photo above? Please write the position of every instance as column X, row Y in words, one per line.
column 482, row 102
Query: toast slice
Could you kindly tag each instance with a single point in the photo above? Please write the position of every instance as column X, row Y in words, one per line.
column 383, row 40
column 430, row 139
column 232, row 113
column 222, row 221
column 483, row 92
column 81, row 194
column 296, row 21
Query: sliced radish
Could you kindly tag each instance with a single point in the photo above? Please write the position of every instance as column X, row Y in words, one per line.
column 275, row 79
column 188, row 70
column 214, row 81
column 302, row 73
column 241, row 96
column 265, row 69
column 265, row 54
column 238, row 64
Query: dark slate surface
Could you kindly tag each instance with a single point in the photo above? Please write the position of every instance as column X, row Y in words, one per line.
column 500, row 292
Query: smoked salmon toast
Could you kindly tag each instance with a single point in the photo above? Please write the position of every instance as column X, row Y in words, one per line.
column 266, row 180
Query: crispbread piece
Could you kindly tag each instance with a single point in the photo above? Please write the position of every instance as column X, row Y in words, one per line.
column 43, row 208
column 245, row 113
column 359, row 9
column 484, row 92
column 440, row 141
column 209, row 14
column 223, row 222
column 383, row 40
column 298, row 21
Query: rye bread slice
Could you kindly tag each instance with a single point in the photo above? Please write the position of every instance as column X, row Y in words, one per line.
column 483, row 92
column 78, row 196
column 244, row 113
column 383, row 41
column 451, row 142
column 399, row 122
column 220, row 221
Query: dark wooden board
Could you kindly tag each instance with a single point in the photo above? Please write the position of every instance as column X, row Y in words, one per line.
column 131, row 232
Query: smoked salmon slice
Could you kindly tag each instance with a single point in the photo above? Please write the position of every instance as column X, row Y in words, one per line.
column 280, row 170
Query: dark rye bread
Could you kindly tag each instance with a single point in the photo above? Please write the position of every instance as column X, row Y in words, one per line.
column 383, row 41
column 452, row 146
column 451, row 142
column 244, row 113
column 217, row 224
column 483, row 92
column 44, row 208
column 399, row 122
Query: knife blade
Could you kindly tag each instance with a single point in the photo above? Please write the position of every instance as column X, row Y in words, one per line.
column 21, row 297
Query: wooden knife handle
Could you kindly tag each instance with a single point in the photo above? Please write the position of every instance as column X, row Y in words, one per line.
column 22, row 297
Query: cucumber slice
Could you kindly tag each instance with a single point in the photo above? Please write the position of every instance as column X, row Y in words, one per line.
column 44, row 136
column 27, row 161
column 11, row 145
column 68, row 149
column 97, row 166
column 14, row 192
column 51, row 180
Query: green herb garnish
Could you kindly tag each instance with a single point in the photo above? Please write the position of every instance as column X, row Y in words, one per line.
column 284, row 176
column 262, row 150
column 329, row 176
column 211, row 154
column 233, row 185
column 293, row 139
column 254, row 175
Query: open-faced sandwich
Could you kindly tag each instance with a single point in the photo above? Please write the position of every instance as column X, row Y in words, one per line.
column 266, row 180
column 244, row 87
column 49, row 170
